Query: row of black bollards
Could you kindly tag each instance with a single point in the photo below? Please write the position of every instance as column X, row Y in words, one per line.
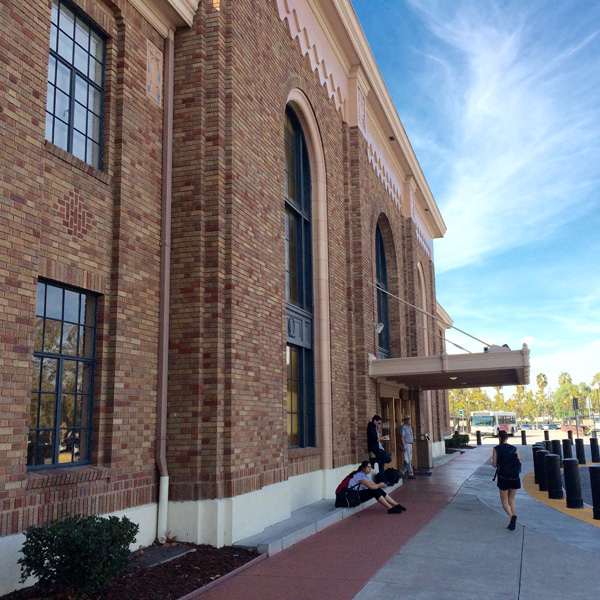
column 547, row 474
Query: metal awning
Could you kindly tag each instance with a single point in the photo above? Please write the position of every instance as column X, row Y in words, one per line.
column 497, row 367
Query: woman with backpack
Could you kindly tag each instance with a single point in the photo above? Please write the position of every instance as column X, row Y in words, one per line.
column 368, row 489
column 507, row 461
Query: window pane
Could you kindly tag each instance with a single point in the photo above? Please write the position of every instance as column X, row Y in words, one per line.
column 81, row 90
column 82, row 34
column 87, row 343
column 95, row 71
column 52, row 336
column 80, row 119
column 80, row 444
column 93, row 154
column 84, row 379
column 66, row 20
column 35, row 376
column 65, row 446
column 63, row 78
column 94, row 100
column 79, row 144
column 50, row 106
column 49, row 127
column 45, row 447
column 54, row 297
column 69, row 339
column 39, row 334
column 53, row 37
column 61, row 106
column 32, row 448
column 47, row 406
column 51, row 70
column 61, row 133
column 96, row 46
column 54, row 17
column 93, row 130
column 80, row 59
column 49, row 371
column 33, row 411
column 65, row 47
column 71, row 306
column 69, row 376
column 67, row 410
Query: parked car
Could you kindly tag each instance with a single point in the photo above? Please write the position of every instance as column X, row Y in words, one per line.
column 526, row 426
column 550, row 427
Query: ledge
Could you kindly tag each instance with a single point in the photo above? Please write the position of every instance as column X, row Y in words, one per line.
column 72, row 475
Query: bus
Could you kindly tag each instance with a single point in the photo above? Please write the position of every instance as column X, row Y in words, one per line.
column 569, row 424
column 490, row 422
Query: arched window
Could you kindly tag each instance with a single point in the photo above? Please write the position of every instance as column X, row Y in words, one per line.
column 382, row 298
column 298, row 287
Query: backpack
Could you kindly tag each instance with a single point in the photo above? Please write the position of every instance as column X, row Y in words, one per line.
column 509, row 466
column 392, row 476
column 346, row 497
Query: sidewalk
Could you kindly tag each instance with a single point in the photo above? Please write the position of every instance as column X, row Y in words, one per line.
column 451, row 542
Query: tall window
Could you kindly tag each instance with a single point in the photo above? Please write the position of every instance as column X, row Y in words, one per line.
column 299, row 294
column 75, row 85
column 382, row 297
column 63, row 376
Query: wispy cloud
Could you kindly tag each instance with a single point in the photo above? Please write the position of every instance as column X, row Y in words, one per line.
column 515, row 90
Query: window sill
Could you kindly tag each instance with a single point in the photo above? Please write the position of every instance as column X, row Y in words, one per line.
column 303, row 452
column 68, row 476
column 76, row 162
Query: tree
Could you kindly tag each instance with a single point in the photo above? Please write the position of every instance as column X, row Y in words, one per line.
column 596, row 384
column 542, row 381
column 515, row 402
column 564, row 378
column 563, row 398
column 498, row 402
column 585, row 396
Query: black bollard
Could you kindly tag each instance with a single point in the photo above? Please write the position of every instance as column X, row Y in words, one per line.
column 572, row 483
column 594, row 449
column 535, row 449
column 580, row 451
column 479, row 438
column 567, row 448
column 542, row 471
column 595, row 481
column 555, row 490
column 556, row 449
column 546, row 434
column 523, row 437
column 570, row 434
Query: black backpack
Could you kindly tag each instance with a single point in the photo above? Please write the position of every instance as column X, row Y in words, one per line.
column 509, row 465
column 346, row 497
column 392, row 476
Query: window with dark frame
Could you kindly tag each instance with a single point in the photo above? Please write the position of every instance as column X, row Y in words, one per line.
column 62, row 386
column 299, row 293
column 382, row 296
column 75, row 100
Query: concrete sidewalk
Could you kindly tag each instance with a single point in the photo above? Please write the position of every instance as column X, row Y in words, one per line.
column 451, row 542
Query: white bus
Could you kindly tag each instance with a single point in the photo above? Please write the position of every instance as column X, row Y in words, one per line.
column 490, row 422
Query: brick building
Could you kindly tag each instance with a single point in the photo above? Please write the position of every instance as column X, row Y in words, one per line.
column 213, row 229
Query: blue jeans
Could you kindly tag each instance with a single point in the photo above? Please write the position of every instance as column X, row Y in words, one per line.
column 382, row 459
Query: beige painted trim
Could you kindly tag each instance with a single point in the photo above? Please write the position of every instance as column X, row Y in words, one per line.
column 167, row 15
column 322, row 336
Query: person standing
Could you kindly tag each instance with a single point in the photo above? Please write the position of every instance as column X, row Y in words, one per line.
column 377, row 452
column 407, row 438
column 507, row 461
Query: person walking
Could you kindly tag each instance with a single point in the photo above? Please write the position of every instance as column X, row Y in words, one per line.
column 377, row 452
column 368, row 489
column 407, row 439
column 506, row 460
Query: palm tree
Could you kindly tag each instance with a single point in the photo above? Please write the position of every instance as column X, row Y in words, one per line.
column 563, row 378
column 542, row 380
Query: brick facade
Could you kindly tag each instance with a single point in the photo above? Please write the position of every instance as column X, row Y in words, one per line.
column 63, row 220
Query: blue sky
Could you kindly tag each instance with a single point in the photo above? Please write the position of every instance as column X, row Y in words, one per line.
column 501, row 103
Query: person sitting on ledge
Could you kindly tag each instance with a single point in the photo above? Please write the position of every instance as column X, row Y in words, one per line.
column 368, row 489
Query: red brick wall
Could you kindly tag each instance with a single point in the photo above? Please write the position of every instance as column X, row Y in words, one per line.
column 96, row 230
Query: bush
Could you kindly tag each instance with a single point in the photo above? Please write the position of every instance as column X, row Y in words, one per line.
column 78, row 554
column 458, row 439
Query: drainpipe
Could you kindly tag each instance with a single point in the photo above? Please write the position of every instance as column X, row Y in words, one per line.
column 165, row 290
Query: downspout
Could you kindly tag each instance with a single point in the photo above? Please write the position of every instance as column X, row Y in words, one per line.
column 165, row 290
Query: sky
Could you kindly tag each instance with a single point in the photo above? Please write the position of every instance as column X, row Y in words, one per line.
column 501, row 103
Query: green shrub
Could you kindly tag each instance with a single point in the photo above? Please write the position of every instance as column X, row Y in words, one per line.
column 78, row 554
column 458, row 439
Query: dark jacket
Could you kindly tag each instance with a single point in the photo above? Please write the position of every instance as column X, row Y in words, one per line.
column 372, row 435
